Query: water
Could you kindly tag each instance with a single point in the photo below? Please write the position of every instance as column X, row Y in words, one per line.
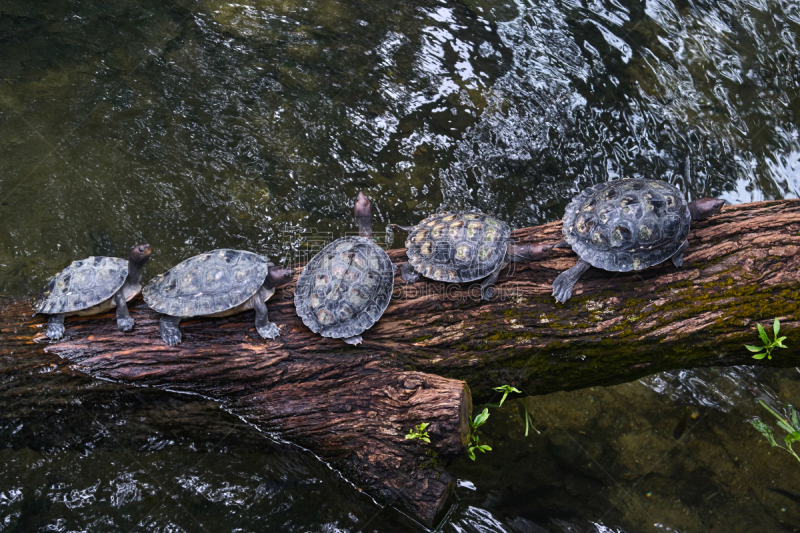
column 201, row 124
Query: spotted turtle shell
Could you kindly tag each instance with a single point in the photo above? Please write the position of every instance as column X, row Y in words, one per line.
column 207, row 284
column 457, row 246
column 628, row 224
column 83, row 284
column 345, row 288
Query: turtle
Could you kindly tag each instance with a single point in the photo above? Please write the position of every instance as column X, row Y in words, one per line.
column 217, row 283
column 628, row 224
column 92, row 286
column 463, row 246
column 346, row 287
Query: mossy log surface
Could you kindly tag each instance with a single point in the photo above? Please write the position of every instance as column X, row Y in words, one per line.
column 352, row 405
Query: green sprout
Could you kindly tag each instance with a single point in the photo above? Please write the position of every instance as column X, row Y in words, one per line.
column 419, row 432
column 790, row 425
column 480, row 419
column 766, row 350
column 506, row 390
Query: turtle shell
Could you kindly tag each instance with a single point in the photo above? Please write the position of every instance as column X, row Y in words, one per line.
column 207, row 284
column 83, row 284
column 457, row 246
column 345, row 288
column 628, row 224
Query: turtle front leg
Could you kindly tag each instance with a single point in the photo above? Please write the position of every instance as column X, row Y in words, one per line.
column 487, row 285
column 408, row 273
column 170, row 332
column 677, row 259
column 55, row 327
column 265, row 328
column 124, row 320
column 563, row 284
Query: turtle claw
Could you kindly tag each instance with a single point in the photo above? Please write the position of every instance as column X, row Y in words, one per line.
column 269, row 330
column 562, row 290
column 487, row 293
column 170, row 332
column 353, row 340
column 125, row 324
column 677, row 259
column 55, row 330
column 408, row 274
column 171, row 338
column 563, row 284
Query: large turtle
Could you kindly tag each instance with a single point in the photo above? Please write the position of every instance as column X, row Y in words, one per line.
column 628, row 224
column 347, row 286
column 217, row 283
column 92, row 286
column 463, row 246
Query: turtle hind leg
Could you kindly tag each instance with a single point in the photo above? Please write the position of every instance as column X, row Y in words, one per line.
column 563, row 284
column 354, row 340
column 408, row 273
column 487, row 285
column 55, row 327
column 124, row 320
column 170, row 332
column 265, row 328
column 677, row 259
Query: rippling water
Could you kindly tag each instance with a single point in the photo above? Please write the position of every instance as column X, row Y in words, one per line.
column 202, row 124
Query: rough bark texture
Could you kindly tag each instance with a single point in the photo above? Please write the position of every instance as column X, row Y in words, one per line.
column 742, row 267
column 353, row 405
column 350, row 407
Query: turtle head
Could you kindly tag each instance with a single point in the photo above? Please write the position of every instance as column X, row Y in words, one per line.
column 140, row 254
column 529, row 252
column 705, row 207
column 363, row 213
column 279, row 276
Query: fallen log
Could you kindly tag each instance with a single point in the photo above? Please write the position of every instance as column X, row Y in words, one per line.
column 353, row 405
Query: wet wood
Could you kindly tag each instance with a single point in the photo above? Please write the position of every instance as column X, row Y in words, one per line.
column 352, row 406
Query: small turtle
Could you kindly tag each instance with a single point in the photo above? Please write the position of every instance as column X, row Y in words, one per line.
column 92, row 286
column 464, row 246
column 216, row 283
column 628, row 224
column 347, row 286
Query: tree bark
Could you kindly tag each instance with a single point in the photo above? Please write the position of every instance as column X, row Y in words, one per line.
column 353, row 405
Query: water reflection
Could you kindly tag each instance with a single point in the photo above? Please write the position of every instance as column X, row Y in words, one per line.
column 203, row 123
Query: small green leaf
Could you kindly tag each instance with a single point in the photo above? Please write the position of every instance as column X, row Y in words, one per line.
column 792, row 437
column 763, row 335
column 753, row 348
column 759, row 356
column 484, row 448
column 764, row 430
column 423, row 426
column 471, row 453
column 426, row 439
column 480, row 418
column 795, row 418
column 776, row 327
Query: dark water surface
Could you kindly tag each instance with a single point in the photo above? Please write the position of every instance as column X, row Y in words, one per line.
column 200, row 124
